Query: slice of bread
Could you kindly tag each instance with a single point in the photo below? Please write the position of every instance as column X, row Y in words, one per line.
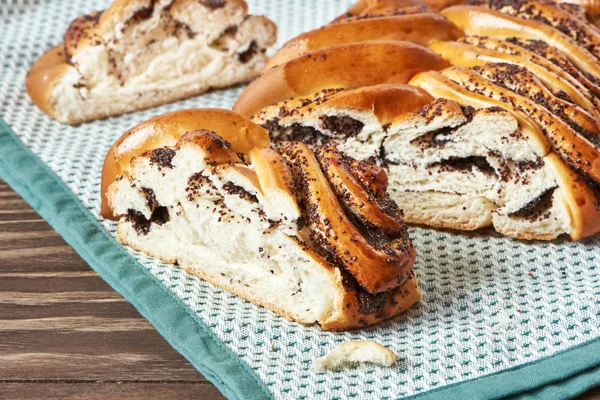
column 142, row 53
column 481, row 21
column 285, row 230
column 571, row 22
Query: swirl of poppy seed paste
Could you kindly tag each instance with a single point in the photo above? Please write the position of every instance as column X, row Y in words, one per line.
column 357, row 229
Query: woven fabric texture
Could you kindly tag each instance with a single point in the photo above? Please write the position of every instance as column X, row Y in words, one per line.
column 490, row 303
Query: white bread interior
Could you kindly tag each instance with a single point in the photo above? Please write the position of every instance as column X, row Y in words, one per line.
column 448, row 166
column 239, row 250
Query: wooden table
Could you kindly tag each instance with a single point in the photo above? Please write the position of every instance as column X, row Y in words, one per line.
column 64, row 333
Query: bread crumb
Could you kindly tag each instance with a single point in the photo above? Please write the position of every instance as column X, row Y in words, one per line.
column 355, row 352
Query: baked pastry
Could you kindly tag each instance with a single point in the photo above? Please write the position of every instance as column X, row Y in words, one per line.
column 459, row 162
column 369, row 9
column 511, row 142
column 591, row 9
column 423, row 29
column 576, row 148
column 540, row 53
column 366, row 7
column 481, row 21
column 142, row 53
column 468, row 55
column 374, row 7
column 286, row 230
column 165, row 130
column 565, row 19
column 536, row 59
column 525, row 83
column 344, row 66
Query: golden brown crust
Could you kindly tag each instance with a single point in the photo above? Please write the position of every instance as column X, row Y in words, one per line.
column 346, row 66
column 376, row 266
column 576, row 10
column 385, row 101
column 583, row 201
column 523, row 82
column 438, row 5
column 275, row 179
column 573, row 147
column 43, row 75
column 292, row 106
column 481, row 21
column 272, row 170
column 218, row 151
column 591, row 6
column 409, row 10
column 372, row 176
column 82, row 33
column 551, row 14
column 466, row 55
column 540, row 53
column 166, row 129
column 366, row 6
column 363, row 7
column 422, row 29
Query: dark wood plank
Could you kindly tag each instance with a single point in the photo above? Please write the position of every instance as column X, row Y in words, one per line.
column 62, row 328
column 52, row 282
column 41, row 259
column 111, row 390
column 593, row 394
column 37, row 224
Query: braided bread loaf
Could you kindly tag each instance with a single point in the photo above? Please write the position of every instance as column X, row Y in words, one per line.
column 142, row 53
column 310, row 235
column 512, row 139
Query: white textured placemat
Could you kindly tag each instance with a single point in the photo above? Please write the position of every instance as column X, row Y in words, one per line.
column 490, row 303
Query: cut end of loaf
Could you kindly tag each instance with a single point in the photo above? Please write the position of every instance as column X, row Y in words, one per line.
column 190, row 210
column 449, row 166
